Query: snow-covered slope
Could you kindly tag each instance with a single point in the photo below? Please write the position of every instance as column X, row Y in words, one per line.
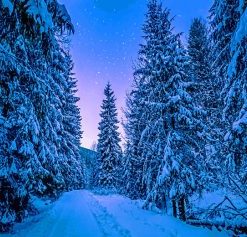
column 83, row 214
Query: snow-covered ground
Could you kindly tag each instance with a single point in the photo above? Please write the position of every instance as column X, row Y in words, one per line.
column 220, row 206
column 84, row 214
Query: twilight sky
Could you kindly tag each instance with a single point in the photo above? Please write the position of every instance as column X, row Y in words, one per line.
column 105, row 46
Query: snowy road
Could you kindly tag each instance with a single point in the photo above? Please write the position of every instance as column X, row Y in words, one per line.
column 83, row 214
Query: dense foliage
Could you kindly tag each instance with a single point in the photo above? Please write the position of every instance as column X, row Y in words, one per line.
column 186, row 114
column 39, row 118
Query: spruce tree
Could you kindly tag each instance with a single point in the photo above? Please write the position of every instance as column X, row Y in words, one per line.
column 171, row 131
column 109, row 150
column 20, row 128
column 228, row 18
column 228, row 32
column 136, row 112
column 134, row 125
column 200, row 69
column 33, row 88
column 173, row 137
column 206, row 90
column 71, row 133
column 235, row 111
column 224, row 16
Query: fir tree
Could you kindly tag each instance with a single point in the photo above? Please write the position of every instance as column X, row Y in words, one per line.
column 235, row 111
column 109, row 151
column 134, row 125
column 224, row 17
column 72, row 171
column 136, row 112
column 171, row 133
column 33, row 88
column 228, row 17
column 200, row 69
column 173, row 136
column 229, row 35
column 20, row 128
column 206, row 90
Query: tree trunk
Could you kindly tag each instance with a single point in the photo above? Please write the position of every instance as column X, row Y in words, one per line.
column 161, row 202
column 174, row 208
column 181, row 208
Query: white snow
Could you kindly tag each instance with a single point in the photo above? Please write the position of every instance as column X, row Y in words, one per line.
column 220, row 200
column 239, row 35
column 39, row 11
column 139, row 222
column 8, row 4
column 240, row 123
column 83, row 214
column 241, row 31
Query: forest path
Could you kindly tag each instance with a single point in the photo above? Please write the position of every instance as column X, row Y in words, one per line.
column 70, row 216
column 84, row 214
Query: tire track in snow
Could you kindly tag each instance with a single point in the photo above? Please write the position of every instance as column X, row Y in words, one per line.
column 129, row 210
column 107, row 223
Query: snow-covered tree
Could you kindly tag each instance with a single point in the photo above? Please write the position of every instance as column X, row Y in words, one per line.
column 169, row 141
column 173, row 137
column 200, row 69
column 71, row 133
column 228, row 23
column 109, row 150
column 224, row 16
column 206, row 91
column 136, row 112
column 20, row 127
column 33, row 87
column 235, row 111
column 134, row 125
column 228, row 20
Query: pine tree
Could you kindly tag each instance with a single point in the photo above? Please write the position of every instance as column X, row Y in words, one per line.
column 173, row 136
column 206, row 90
column 20, row 128
column 71, row 160
column 235, row 111
column 109, row 151
column 33, row 88
column 200, row 69
column 134, row 125
column 170, row 136
column 228, row 17
column 229, row 35
column 224, row 15
column 137, row 112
